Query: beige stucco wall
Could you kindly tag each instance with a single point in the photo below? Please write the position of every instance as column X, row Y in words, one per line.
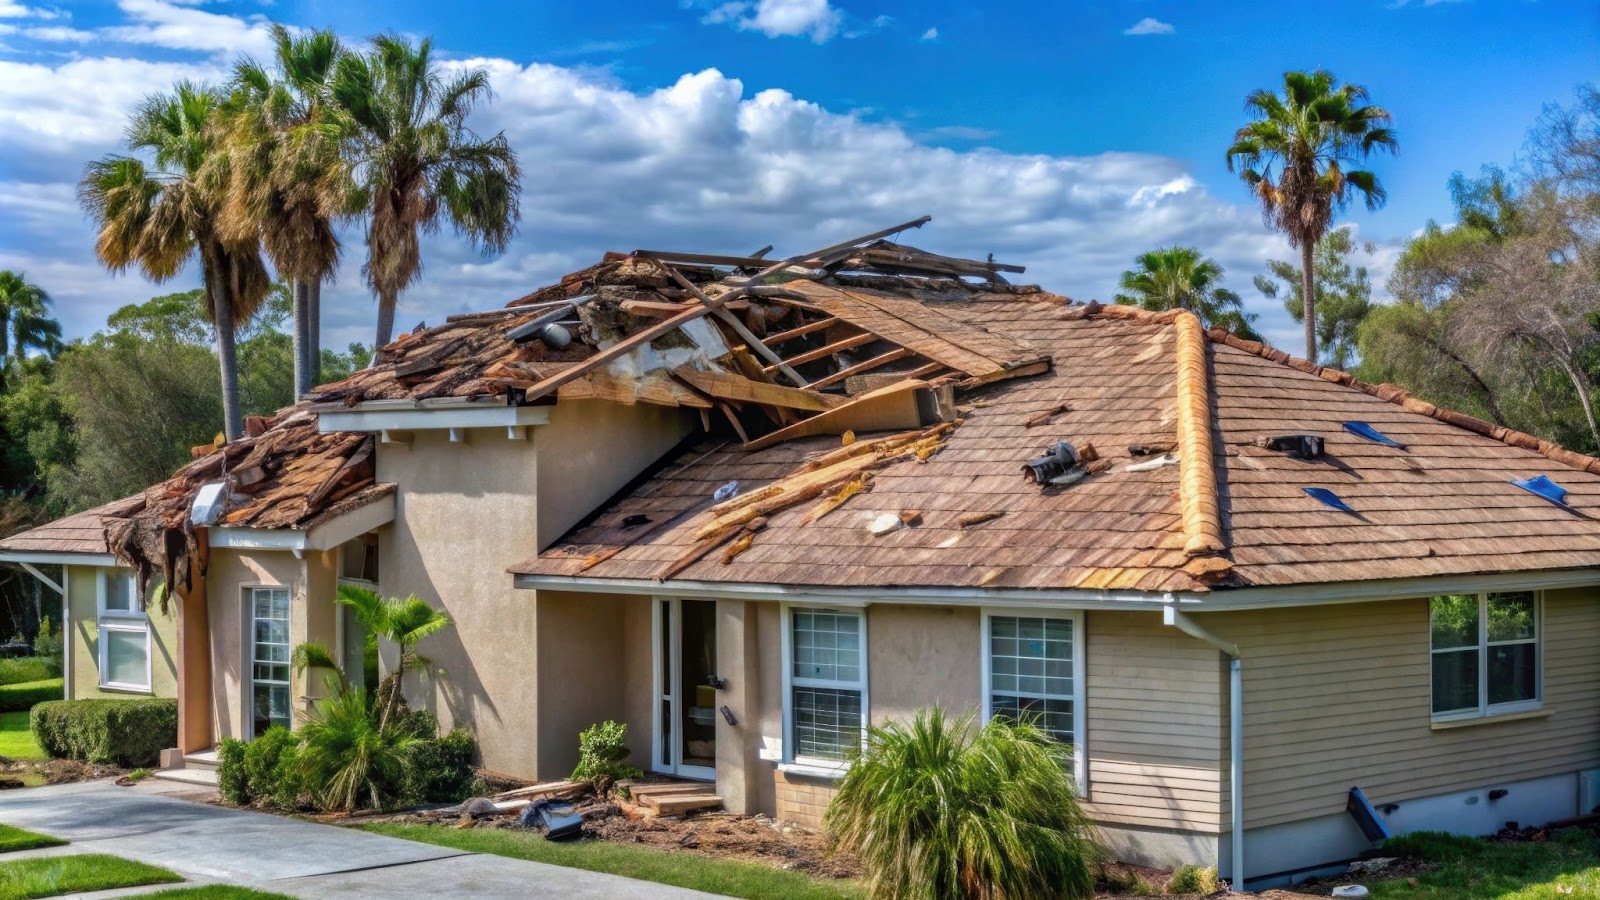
column 589, row 450
column 581, row 647
column 1339, row 696
column 921, row 656
column 231, row 572
column 84, row 653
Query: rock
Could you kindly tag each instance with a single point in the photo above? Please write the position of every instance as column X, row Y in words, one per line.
column 1351, row 891
column 690, row 841
column 478, row 808
column 1377, row 864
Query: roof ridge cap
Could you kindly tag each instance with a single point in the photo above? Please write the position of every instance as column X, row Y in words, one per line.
column 1399, row 396
column 1197, row 475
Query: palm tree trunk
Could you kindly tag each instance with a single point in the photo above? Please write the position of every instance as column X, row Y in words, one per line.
column 1308, row 283
column 227, row 358
column 386, row 306
column 314, row 318
column 302, row 339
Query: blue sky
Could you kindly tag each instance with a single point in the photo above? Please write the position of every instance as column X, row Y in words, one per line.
column 1044, row 132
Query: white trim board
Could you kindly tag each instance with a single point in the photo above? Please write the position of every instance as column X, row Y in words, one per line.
column 58, row 559
column 325, row 536
column 409, row 415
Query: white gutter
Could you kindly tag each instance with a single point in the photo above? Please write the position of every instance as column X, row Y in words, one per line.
column 58, row 559
column 422, row 415
column 1173, row 617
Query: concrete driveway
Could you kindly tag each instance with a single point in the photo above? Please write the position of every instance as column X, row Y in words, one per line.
column 213, row 844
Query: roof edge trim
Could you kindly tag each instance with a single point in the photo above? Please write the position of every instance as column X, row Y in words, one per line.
column 58, row 558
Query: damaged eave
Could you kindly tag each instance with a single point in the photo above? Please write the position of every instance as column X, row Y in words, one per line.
column 324, row 535
column 423, row 415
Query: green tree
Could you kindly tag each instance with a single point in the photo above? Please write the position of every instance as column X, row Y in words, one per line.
column 160, row 219
column 289, row 179
column 404, row 622
column 25, row 322
column 1344, row 295
column 1180, row 278
column 419, row 164
column 1296, row 157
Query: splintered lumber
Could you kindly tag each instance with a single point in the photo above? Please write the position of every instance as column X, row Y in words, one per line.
column 1045, row 416
column 652, row 309
column 881, row 359
column 837, row 499
column 732, row 321
column 739, row 389
column 848, row 343
column 802, row 330
column 978, row 518
column 887, row 409
column 549, row 788
column 616, row 351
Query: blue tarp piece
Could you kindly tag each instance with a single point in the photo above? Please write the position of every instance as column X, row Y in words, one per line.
column 1544, row 487
column 1325, row 496
column 1362, row 429
column 1372, row 824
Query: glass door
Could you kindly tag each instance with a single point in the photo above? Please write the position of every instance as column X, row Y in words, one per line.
column 686, row 701
column 269, row 659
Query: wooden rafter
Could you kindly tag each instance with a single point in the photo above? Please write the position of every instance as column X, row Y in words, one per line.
column 845, row 344
column 882, row 359
column 802, row 330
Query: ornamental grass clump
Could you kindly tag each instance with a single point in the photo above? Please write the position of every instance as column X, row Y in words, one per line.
column 940, row 809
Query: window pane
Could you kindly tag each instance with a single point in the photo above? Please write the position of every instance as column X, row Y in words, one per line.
column 1038, row 661
column 1455, row 680
column 1513, row 672
column 1511, row 616
column 827, row 646
column 126, row 655
column 827, row 723
column 1054, row 716
column 119, row 592
column 1455, row 621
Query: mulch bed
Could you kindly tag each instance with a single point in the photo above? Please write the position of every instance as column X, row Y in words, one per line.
column 13, row 772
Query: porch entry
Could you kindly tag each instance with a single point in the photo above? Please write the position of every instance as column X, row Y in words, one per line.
column 685, row 640
column 267, row 693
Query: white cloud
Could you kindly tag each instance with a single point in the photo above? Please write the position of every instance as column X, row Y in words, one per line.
column 181, row 26
column 1149, row 26
column 59, row 34
column 697, row 165
column 932, row 34
column 816, row 19
column 10, row 9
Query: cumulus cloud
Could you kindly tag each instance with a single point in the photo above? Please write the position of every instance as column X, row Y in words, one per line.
column 816, row 19
column 10, row 9
column 932, row 34
column 179, row 26
column 700, row 164
column 1148, row 25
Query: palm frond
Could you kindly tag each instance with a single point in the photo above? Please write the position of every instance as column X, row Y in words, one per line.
column 313, row 654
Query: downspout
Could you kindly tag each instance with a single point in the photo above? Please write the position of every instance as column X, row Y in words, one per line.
column 1172, row 617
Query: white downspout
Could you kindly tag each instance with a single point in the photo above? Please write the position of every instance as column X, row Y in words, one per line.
column 1172, row 617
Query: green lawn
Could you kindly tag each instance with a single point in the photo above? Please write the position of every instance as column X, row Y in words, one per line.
column 51, row 876
column 16, row 739
column 215, row 892
column 1566, row 866
column 28, row 668
column 728, row 877
column 13, row 838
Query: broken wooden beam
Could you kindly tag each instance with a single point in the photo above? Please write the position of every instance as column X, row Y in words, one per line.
column 895, row 407
column 1041, row 418
column 802, row 330
column 732, row 321
column 811, row 355
column 882, row 359
column 739, row 389
column 619, row 349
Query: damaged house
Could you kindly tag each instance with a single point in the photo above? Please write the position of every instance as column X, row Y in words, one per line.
column 751, row 506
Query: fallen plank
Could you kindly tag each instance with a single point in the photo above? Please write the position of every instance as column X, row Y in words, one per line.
column 737, row 388
column 845, row 344
column 678, row 804
column 882, row 359
column 619, row 349
column 549, row 787
column 892, row 408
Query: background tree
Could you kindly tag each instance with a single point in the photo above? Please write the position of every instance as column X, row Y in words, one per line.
column 161, row 219
column 1344, row 295
column 419, row 164
column 1296, row 157
column 1180, row 278
column 288, row 177
column 25, row 322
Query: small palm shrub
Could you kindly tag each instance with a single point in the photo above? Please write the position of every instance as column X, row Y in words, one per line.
column 941, row 810
column 439, row 770
column 601, row 750
column 350, row 757
column 1193, row 880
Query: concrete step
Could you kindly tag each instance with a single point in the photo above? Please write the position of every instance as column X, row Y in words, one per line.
column 206, row 777
column 203, row 760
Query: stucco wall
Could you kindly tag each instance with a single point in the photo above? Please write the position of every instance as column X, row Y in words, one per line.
column 923, row 655
column 84, row 633
column 230, row 573
column 580, row 651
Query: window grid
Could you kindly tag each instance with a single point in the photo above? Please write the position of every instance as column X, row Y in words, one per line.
column 1031, row 661
column 269, row 656
column 1477, row 690
column 826, row 684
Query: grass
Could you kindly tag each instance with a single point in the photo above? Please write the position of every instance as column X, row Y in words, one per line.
column 1566, row 866
column 728, row 877
column 51, row 876
column 13, row 838
column 16, row 739
column 215, row 892
column 139, row 774
column 28, row 668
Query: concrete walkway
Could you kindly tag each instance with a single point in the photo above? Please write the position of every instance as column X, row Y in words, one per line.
column 209, row 844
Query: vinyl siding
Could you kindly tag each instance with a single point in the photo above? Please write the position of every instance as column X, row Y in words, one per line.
column 1156, row 728
column 1338, row 696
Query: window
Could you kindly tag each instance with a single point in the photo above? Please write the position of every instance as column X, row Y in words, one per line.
column 826, row 685
column 358, row 559
column 1033, row 668
column 269, row 659
column 123, row 633
column 1485, row 653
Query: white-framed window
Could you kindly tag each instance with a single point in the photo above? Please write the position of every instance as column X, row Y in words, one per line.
column 1485, row 653
column 824, row 686
column 269, row 649
column 1033, row 667
column 123, row 630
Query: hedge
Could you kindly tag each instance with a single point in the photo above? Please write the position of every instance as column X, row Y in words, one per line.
column 19, row 697
column 127, row 733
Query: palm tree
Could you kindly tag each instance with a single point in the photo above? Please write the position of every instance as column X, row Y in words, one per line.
column 1180, row 278
column 159, row 219
column 1296, row 158
column 288, row 179
column 403, row 622
column 25, row 322
column 419, row 163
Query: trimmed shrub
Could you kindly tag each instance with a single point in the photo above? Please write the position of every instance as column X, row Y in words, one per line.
column 440, row 770
column 1193, row 880
column 938, row 809
column 29, row 668
column 126, row 733
column 27, row 694
column 271, row 768
column 601, row 750
column 232, row 782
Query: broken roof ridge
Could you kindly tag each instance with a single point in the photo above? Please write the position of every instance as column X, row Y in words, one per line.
column 1197, row 476
column 1389, row 393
